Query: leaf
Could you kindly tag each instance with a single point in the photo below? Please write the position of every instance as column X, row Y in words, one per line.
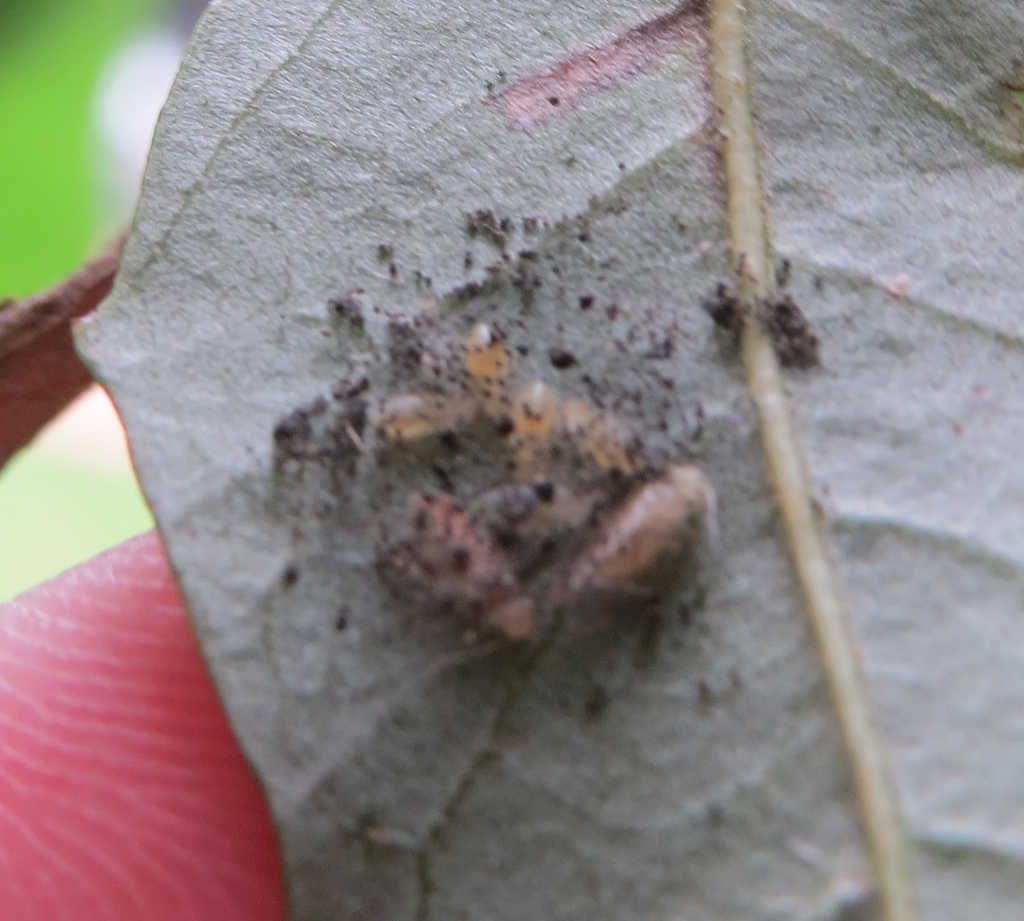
column 693, row 771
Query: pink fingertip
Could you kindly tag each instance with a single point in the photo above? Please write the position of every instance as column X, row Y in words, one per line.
column 123, row 794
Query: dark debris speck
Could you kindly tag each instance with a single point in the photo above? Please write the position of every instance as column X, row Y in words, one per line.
column 724, row 309
column 562, row 358
column 545, row 491
column 596, row 703
column 293, row 427
column 795, row 343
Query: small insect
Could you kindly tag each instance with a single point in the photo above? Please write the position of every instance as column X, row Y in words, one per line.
column 457, row 567
column 532, row 547
column 409, row 417
column 601, row 436
column 488, row 362
column 656, row 531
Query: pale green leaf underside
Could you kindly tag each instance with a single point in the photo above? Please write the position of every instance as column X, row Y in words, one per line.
column 296, row 142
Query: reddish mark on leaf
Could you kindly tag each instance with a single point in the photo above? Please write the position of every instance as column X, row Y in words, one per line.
column 533, row 99
column 899, row 287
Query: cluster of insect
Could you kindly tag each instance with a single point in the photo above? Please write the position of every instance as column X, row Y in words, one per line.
column 578, row 526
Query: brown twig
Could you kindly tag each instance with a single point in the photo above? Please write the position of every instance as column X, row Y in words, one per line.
column 40, row 372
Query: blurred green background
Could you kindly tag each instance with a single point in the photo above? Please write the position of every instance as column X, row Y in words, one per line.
column 64, row 499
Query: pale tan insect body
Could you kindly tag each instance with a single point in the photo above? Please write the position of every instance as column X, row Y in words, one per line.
column 644, row 543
